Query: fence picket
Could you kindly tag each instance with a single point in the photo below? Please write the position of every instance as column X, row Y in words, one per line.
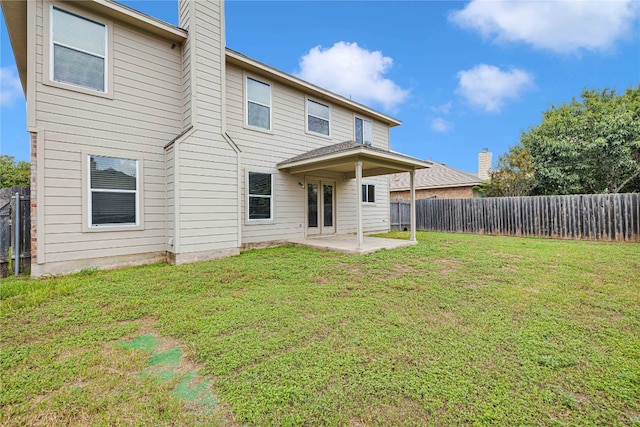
column 607, row 217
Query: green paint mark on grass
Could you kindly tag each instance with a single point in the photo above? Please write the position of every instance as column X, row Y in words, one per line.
column 199, row 394
column 166, row 358
column 143, row 342
column 192, row 389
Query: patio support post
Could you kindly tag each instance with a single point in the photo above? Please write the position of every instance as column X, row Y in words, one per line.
column 412, row 178
column 359, row 202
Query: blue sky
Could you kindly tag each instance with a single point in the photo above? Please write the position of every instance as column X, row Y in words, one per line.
column 460, row 75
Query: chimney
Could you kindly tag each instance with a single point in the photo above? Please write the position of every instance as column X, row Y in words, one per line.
column 203, row 63
column 484, row 164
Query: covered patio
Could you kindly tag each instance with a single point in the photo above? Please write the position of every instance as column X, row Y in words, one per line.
column 354, row 160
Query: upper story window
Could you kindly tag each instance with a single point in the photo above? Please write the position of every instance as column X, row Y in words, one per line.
column 258, row 104
column 114, row 191
column 363, row 131
column 78, row 51
column 318, row 117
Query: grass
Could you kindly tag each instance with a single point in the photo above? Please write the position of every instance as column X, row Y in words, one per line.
column 458, row 330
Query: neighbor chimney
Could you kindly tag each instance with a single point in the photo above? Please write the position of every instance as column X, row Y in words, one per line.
column 484, row 164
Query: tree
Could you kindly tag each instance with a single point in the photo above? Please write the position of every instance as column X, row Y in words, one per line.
column 12, row 173
column 591, row 145
column 513, row 175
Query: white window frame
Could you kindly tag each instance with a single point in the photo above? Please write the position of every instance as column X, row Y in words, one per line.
column 365, row 194
column 307, row 114
column 87, row 214
column 247, row 100
column 364, row 122
column 108, row 52
column 271, row 219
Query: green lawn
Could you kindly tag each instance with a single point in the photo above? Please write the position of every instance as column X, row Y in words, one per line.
column 458, row 330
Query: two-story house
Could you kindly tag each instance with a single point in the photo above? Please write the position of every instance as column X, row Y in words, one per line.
column 154, row 143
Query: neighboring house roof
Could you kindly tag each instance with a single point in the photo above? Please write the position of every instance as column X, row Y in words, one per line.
column 341, row 158
column 438, row 175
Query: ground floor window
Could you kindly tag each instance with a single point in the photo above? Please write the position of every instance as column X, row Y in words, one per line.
column 260, row 195
column 368, row 193
column 114, row 191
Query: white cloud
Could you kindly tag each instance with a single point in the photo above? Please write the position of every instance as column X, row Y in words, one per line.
column 442, row 109
column 10, row 87
column 353, row 72
column 488, row 87
column 559, row 25
column 441, row 125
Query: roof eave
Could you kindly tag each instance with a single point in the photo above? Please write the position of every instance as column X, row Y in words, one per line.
column 363, row 152
column 137, row 19
column 15, row 17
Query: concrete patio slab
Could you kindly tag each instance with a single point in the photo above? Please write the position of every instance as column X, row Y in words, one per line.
column 348, row 243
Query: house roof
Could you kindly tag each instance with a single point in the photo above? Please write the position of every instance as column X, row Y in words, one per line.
column 251, row 64
column 341, row 158
column 15, row 13
column 438, row 175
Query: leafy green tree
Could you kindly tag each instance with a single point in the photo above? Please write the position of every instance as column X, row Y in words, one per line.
column 590, row 145
column 12, row 173
column 513, row 175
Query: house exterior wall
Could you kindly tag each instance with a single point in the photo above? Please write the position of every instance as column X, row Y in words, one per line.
column 138, row 116
column 440, row 193
column 262, row 150
column 178, row 110
column 206, row 193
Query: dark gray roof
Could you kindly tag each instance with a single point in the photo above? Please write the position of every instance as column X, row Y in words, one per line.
column 337, row 148
column 438, row 175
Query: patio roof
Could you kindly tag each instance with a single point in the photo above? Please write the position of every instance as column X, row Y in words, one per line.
column 355, row 160
column 341, row 158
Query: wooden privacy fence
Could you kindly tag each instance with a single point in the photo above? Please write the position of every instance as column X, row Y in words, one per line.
column 8, row 223
column 606, row 217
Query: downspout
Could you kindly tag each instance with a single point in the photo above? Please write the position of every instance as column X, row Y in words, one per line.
column 238, row 152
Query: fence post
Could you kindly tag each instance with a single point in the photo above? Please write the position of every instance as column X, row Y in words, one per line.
column 16, row 249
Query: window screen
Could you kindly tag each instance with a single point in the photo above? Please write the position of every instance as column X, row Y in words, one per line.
column 78, row 50
column 260, row 196
column 258, row 104
column 318, row 116
column 114, row 190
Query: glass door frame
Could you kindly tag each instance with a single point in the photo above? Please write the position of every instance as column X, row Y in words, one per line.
column 321, row 228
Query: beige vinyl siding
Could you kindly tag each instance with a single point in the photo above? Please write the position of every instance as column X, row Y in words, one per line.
column 261, row 151
column 170, row 199
column 143, row 116
column 184, row 19
column 207, row 189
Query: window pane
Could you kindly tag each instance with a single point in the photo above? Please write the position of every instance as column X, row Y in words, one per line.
column 79, row 33
column 258, row 116
column 358, row 130
column 258, row 92
column 312, row 205
column 317, row 109
column 364, row 192
column 371, row 196
column 113, row 173
column 367, row 133
column 259, row 184
column 318, row 125
column 113, row 208
column 78, row 68
column 328, row 205
column 259, row 207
